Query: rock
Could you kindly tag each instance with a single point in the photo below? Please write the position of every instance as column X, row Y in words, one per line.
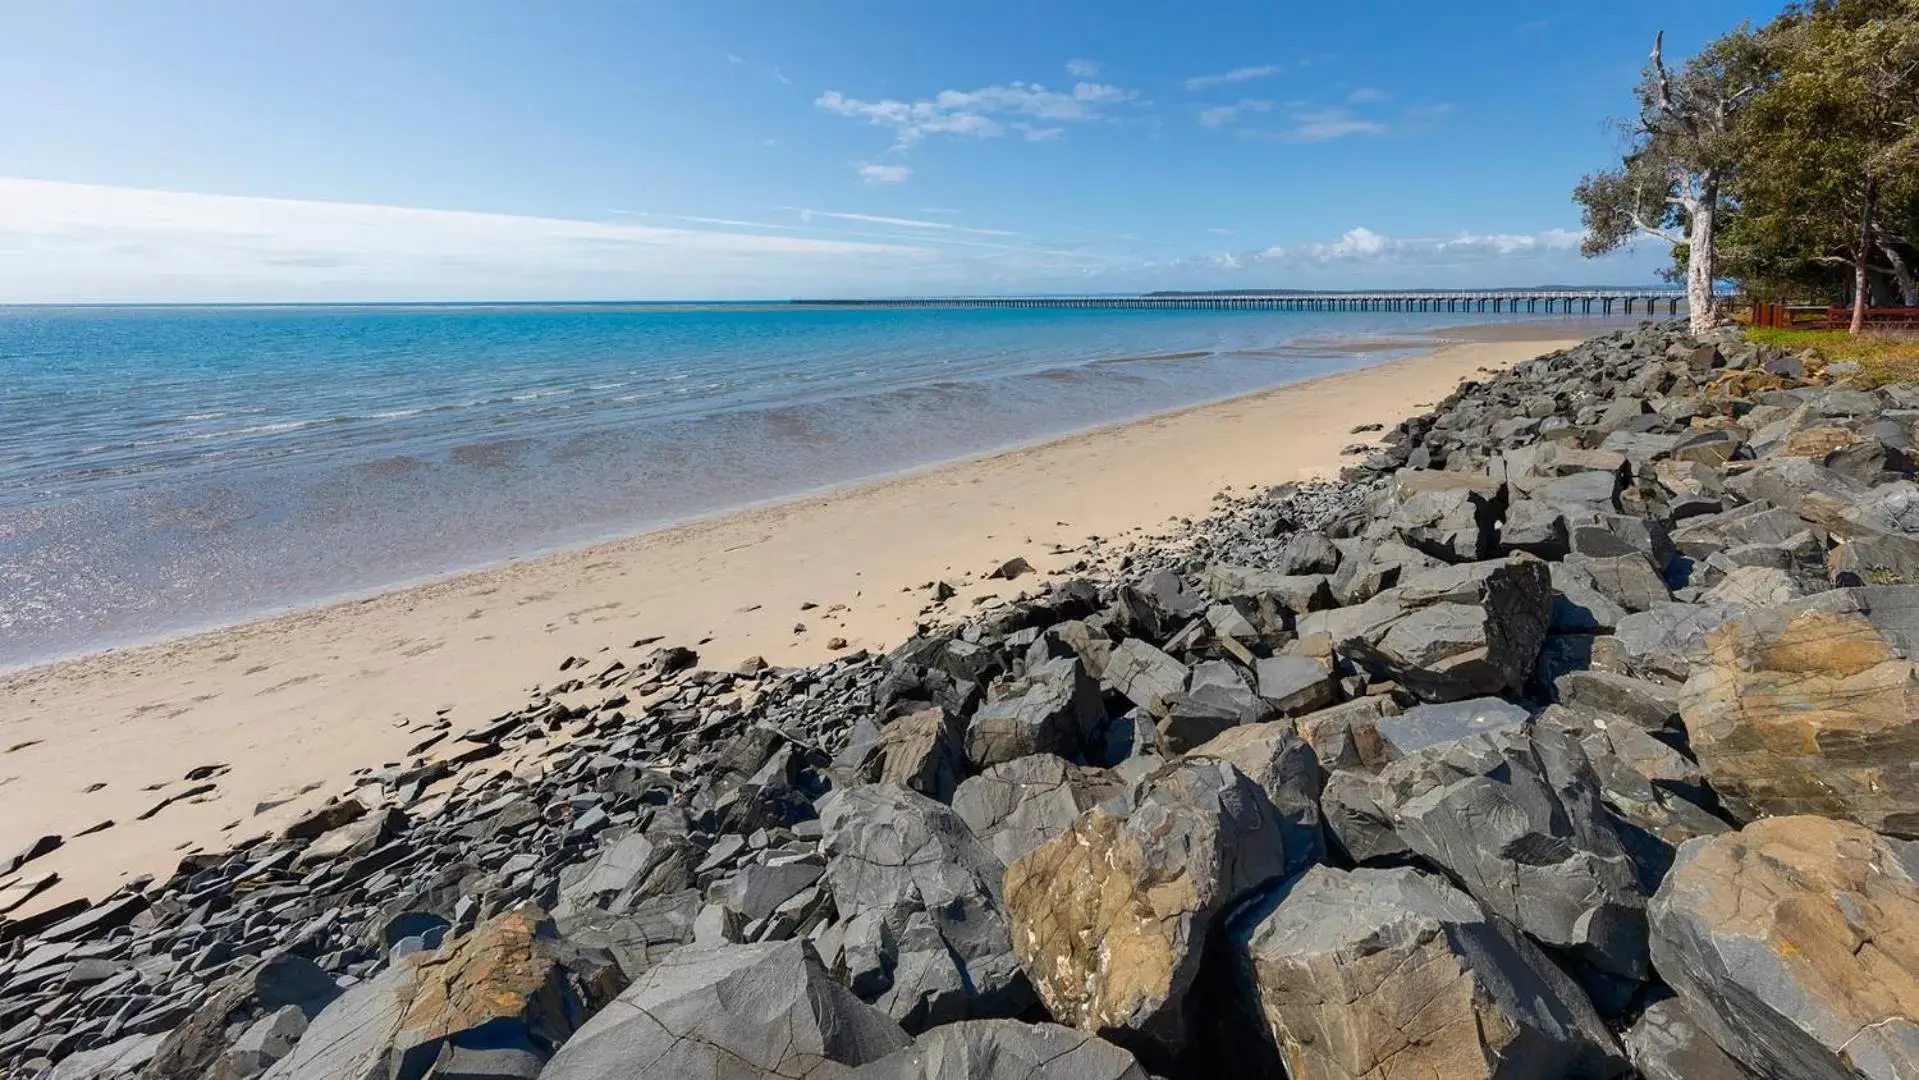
column 1055, row 709
column 922, row 751
column 1458, row 631
column 264, row 1042
column 25, row 855
column 1628, row 581
column 510, row 984
column 1658, row 797
column 1159, row 605
column 1018, row 805
column 120, row 1058
column 1515, row 817
column 278, row 981
column 1384, row 973
column 1424, row 726
column 1813, row 707
column 324, row 820
column 627, row 871
column 1146, row 676
column 1216, row 698
column 1307, row 553
column 356, row 838
column 1668, row 640
column 765, row 1010
column 1004, row 1050
column 1010, row 569
column 758, row 890
column 1294, row 685
column 906, row 862
column 1648, row 704
column 1665, row 1043
column 1792, row 944
column 1347, row 736
column 1273, row 756
column 1110, row 920
column 1294, row 593
column 1447, row 515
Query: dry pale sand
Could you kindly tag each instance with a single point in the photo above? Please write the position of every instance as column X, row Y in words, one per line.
column 291, row 706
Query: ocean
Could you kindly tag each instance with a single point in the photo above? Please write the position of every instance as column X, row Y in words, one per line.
column 169, row 468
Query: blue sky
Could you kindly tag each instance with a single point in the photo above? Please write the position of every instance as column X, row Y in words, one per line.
column 364, row 150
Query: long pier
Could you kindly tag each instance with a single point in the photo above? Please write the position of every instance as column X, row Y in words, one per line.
column 1567, row 302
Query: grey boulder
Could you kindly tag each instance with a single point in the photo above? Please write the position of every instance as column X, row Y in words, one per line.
column 1018, row 805
column 1004, row 1050
column 747, row 1011
column 1516, row 818
column 925, row 893
column 1458, row 631
column 1368, row 974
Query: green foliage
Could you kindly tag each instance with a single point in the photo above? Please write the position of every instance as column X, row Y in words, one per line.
column 1799, row 142
column 1826, row 152
column 1682, row 139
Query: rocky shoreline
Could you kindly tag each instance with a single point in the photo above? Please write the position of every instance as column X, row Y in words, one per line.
column 1573, row 734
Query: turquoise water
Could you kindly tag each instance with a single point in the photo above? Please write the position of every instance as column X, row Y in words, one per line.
column 170, row 468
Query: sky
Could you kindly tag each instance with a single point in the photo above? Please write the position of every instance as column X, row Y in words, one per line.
column 366, row 150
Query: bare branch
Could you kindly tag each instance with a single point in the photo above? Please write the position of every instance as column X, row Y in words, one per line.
column 1652, row 230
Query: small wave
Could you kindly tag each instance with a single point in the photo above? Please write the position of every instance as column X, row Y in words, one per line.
column 1154, row 358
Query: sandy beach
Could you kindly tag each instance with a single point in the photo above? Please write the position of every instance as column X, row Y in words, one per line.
column 283, row 711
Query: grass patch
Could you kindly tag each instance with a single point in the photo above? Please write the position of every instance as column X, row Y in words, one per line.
column 1883, row 358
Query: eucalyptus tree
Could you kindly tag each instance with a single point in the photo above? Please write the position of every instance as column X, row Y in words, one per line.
column 1682, row 148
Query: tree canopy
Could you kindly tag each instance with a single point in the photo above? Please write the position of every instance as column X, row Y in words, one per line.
column 1780, row 158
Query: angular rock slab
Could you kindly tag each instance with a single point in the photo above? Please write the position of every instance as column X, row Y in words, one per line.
column 1812, row 707
column 765, row 1010
column 1017, row 806
column 1458, row 631
column 1273, row 756
column 1004, row 1050
column 510, row 984
column 1111, row 919
column 1515, row 816
column 1665, row 1043
column 929, row 893
column 1794, row 943
column 1055, row 709
column 1372, row 974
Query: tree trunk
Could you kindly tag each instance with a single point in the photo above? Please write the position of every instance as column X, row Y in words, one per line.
column 1862, row 262
column 1702, row 306
column 1901, row 272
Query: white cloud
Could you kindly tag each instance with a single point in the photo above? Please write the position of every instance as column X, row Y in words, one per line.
column 1043, row 134
column 1242, row 74
column 986, row 113
column 781, row 77
column 734, row 58
column 1082, row 69
column 883, row 174
column 1360, row 244
column 1321, row 125
column 807, row 214
column 1367, row 94
column 938, row 210
column 83, row 242
column 1220, row 232
column 1221, row 115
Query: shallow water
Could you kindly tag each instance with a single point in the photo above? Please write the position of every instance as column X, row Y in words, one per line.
column 168, row 468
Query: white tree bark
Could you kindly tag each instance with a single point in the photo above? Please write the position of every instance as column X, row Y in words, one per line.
column 1702, row 214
